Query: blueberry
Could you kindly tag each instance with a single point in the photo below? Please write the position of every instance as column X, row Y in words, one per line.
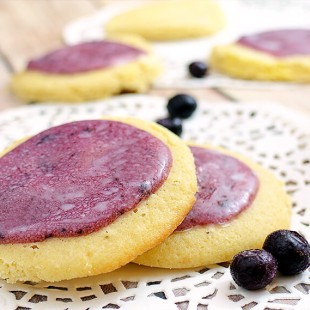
column 181, row 106
column 198, row 69
column 253, row 269
column 290, row 249
column 173, row 124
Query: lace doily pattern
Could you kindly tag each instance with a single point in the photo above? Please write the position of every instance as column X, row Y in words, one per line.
column 275, row 137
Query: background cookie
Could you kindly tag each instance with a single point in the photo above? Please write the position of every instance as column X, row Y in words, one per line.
column 121, row 241
column 170, row 20
column 205, row 245
column 133, row 72
column 282, row 55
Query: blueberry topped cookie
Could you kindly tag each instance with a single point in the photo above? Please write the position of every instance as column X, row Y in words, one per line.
column 238, row 204
column 88, row 71
column 170, row 20
column 278, row 55
column 87, row 197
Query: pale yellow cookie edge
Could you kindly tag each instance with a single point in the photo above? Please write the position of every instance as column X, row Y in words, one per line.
column 241, row 62
column 201, row 246
column 113, row 246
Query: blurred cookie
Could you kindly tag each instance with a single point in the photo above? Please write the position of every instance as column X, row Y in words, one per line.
column 87, row 197
column 170, row 20
column 89, row 71
column 238, row 204
column 280, row 55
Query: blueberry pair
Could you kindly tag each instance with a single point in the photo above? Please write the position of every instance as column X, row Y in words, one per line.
column 179, row 107
column 283, row 250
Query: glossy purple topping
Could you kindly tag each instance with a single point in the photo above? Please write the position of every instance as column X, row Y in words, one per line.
column 280, row 43
column 85, row 57
column 76, row 178
column 226, row 187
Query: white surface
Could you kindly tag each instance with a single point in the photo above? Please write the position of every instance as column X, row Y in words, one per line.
column 243, row 17
column 277, row 138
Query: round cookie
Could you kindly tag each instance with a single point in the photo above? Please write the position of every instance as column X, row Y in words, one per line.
column 169, row 20
column 119, row 242
column 214, row 243
column 80, row 73
column 281, row 55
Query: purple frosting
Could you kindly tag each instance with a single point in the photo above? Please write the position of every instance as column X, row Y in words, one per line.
column 280, row 43
column 85, row 57
column 77, row 178
column 226, row 187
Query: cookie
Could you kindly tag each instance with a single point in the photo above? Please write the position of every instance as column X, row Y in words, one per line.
column 87, row 197
column 89, row 71
column 169, row 20
column 280, row 55
column 238, row 204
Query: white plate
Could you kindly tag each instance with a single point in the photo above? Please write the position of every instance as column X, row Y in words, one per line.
column 275, row 137
column 243, row 17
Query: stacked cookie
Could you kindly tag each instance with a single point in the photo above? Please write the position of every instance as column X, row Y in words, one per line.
column 278, row 55
column 89, row 71
column 237, row 203
column 87, row 197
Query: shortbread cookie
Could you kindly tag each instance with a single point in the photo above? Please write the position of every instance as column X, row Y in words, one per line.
column 87, row 197
column 280, row 55
column 170, row 20
column 238, row 204
column 89, row 71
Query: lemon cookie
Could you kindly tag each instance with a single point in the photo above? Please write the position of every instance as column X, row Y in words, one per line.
column 170, row 20
column 238, row 204
column 280, row 55
column 89, row 71
column 87, row 197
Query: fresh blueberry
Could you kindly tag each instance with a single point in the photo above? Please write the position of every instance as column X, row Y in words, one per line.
column 173, row 124
column 253, row 269
column 290, row 249
column 181, row 106
column 198, row 69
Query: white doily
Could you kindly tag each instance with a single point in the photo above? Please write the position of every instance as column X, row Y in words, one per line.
column 275, row 137
column 243, row 17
